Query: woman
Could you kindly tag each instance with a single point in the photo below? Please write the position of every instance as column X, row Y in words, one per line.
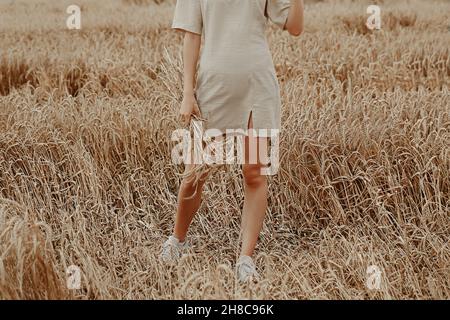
column 236, row 88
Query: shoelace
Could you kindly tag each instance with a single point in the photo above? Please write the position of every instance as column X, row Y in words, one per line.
column 174, row 248
column 247, row 269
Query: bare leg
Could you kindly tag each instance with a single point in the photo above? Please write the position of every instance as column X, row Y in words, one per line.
column 189, row 200
column 255, row 191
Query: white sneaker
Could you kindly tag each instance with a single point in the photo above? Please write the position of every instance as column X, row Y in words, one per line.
column 172, row 250
column 246, row 269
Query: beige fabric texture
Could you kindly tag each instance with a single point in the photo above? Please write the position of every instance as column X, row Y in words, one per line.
column 236, row 76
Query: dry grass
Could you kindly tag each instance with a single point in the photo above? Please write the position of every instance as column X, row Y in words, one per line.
column 86, row 176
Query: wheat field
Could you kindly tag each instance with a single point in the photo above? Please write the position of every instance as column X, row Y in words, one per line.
column 86, row 177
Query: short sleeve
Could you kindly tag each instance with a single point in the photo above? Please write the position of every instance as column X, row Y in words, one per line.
column 277, row 11
column 188, row 16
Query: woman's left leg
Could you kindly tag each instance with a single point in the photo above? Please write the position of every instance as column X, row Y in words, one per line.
column 255, row 205
column 255, row 190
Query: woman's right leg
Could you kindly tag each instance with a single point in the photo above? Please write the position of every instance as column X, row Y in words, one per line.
column 189, row 201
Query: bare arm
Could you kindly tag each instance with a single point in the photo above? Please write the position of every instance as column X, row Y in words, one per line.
column 191, row 51
column 295, row 20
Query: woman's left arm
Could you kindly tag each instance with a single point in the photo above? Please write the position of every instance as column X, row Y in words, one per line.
column 295, row 20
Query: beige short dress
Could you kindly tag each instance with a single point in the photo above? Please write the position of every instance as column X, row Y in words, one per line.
column 236, row 76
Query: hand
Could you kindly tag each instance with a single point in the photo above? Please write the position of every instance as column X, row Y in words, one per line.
column 189, row 107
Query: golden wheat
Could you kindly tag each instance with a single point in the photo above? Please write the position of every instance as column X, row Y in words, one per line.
column 86, row 177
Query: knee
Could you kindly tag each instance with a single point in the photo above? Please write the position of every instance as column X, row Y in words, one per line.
column 193, row 182
column 252, row 175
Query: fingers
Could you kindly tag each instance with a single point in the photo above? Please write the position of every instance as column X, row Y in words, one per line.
column 196, row 109
column 198, row 114
column 195, row 112
column 184, row 118
column 188, row 110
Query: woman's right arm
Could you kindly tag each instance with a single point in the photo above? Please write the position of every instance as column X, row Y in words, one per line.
column 191, row 52
column 295, row 21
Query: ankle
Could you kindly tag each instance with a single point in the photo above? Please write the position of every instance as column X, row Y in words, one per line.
column 180, row 240
column 245, row 259
column 248, row 253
